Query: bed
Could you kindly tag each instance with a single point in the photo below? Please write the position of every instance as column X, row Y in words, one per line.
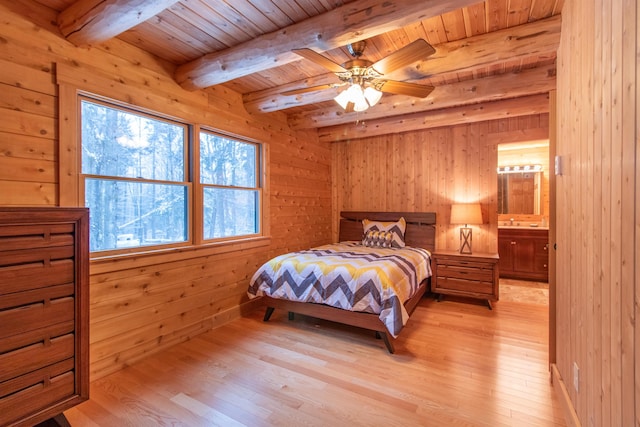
column 381, row 312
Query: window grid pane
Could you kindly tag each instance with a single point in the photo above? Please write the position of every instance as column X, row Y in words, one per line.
column 125, row 214
column 118, row 143
column 227, row 162
column 230, row 212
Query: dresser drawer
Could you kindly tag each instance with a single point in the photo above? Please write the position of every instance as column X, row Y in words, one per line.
column 58, row 391
column 32, row 236
column 30, row 379
column 34, row 269
column 22, row 312
column 36, row 336
column 26, row 359
column 37, row 255
column 468, row 286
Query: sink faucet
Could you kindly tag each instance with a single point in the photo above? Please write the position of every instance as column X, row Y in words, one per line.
column 511, row 221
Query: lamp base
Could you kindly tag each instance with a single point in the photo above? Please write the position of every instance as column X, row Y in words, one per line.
column 465, row 240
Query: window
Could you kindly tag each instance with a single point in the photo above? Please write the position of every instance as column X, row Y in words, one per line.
column 230, row 181
column 134, row 177
column 137, row 179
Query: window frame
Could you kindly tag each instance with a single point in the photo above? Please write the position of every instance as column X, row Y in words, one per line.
column 71, row 89
column 200, row 187
column 186, row 182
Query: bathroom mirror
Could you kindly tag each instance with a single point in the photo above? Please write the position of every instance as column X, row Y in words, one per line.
column 519, row 192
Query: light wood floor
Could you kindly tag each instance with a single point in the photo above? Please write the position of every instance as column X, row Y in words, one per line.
column 456, row 364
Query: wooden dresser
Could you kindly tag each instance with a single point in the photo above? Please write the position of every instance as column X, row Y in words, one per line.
column 468, row 275
column 44, row 312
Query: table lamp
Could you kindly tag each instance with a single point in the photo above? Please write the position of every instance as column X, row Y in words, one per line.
column 468, row 213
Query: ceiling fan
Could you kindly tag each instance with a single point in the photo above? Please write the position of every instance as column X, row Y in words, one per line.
column 366, row 78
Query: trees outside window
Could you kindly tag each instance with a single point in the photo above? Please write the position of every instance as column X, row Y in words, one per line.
column 137, row 181
column 230, row 186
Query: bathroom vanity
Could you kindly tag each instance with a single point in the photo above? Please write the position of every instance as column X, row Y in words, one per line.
column 524, row 252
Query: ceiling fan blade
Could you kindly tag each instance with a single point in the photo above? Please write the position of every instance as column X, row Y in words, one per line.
column 409, row 54
column 308, row 89
column 323, row 61
column 406, row 88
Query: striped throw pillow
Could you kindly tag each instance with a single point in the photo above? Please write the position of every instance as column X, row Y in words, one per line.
column 396, row 228
column 377, row 239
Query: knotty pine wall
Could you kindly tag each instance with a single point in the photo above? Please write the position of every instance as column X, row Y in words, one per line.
column 598, row 286
column 428, row 170
column 144, row 304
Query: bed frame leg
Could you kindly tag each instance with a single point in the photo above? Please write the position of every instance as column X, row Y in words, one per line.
column 268, row 313
column 388, row 341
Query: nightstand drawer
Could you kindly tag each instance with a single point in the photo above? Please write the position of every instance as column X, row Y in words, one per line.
column 453, row 262
column 471, row 286
column 466, row 272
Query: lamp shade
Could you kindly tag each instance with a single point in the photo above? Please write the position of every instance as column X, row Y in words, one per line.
column 468, row 213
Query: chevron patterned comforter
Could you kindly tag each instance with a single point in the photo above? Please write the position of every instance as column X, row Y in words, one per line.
column 349, row 276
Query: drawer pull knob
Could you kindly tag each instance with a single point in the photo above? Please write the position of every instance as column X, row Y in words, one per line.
column 513, row 243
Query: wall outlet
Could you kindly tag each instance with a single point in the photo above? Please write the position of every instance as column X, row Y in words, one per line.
column 576, row 377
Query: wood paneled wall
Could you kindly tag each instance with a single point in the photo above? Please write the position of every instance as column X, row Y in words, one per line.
column 429, row 170
column 144, row 304
column 597, row 217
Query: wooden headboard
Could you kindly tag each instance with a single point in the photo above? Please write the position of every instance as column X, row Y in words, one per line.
column 421, row 226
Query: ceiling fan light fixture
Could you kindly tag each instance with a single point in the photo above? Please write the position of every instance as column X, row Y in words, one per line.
column 360, row 105
column 342, row 99
column 372, row 95
column 361, row 99
column 356, row 95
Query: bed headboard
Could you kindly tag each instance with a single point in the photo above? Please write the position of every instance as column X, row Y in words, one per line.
column 421, row 226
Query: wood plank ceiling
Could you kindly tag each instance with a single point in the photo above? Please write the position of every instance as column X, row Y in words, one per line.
column 500, row 53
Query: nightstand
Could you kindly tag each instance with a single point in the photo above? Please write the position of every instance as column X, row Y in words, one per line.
column 468, row 275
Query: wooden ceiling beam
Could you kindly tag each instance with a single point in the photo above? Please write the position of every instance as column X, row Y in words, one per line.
column 87, row 22
column 272, row 99
column 539, row 38
column 492, row 88
column 534, row 104
column 359, row 20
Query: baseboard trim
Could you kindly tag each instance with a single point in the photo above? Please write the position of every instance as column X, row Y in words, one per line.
column 570, row 415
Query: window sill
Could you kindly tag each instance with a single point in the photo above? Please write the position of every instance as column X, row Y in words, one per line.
column 101, row 264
